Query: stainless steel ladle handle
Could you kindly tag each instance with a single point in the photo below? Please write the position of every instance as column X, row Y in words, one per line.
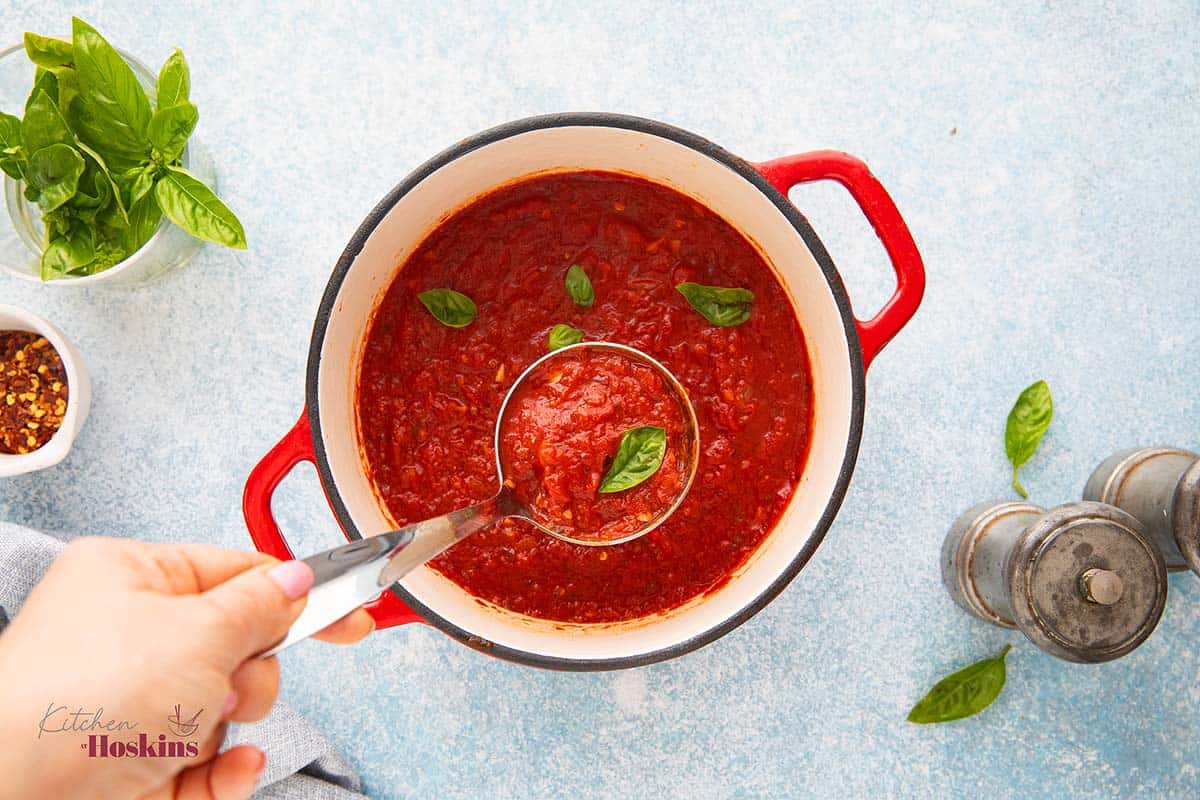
column 346, row 577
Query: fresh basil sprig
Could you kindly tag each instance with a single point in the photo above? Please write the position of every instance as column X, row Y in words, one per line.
column 719, row 305
column 579, row 286
column 101, row 160
column 562, row 335
column 450, row 307
column 639, row 456
column 963, row 693
column 1027, row 423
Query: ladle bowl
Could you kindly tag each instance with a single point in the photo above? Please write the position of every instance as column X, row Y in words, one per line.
column 348, row 576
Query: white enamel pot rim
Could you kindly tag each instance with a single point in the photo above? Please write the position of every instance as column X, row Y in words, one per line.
column 725, row 183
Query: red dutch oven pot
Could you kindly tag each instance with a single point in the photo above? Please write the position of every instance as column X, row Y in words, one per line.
column 753, row 197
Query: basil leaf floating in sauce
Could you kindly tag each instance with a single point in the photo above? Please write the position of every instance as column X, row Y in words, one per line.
column 639, row 456
column 1027, row 422
column 579, row 286
column 964, row 693
column 719, row 305
column 563, row 335
column 450, row 307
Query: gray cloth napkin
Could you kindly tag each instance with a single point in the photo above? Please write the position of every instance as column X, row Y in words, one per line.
column 301, row 763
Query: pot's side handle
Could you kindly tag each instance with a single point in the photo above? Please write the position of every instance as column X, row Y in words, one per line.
column 881, row 212
column 296, row 446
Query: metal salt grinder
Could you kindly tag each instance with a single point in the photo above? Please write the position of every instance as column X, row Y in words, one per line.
column 1161, row 487
column 1082, row 581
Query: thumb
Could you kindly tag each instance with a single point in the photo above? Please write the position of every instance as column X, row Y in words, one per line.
column 256, row 607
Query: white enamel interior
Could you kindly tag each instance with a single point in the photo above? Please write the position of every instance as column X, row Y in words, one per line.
column 659, row 159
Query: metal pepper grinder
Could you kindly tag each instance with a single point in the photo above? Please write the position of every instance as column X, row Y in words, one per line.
column 1161, row 487
column 1082, row 581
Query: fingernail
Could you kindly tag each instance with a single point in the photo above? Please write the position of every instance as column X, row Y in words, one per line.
column 230, row 704
column 262, row 764
column 293, row 577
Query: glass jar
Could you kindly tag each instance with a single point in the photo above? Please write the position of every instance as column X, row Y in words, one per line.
column 21, row 227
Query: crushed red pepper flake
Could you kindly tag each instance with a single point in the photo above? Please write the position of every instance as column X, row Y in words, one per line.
column 33, row 392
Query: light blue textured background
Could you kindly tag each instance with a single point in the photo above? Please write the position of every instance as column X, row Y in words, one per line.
column 1060, row 226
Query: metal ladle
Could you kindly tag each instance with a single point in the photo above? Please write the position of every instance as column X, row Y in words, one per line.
column 348, row 576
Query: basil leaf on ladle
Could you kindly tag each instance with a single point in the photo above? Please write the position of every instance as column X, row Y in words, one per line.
column 639, row 456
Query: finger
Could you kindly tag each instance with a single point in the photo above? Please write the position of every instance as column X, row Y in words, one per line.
column 192, row 568
column 253, row 610
column 230, row 776
column 349, row 629
column 212, row 745
column 256, row 685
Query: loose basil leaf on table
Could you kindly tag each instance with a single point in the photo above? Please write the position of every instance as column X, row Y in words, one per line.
column 174, row 81
column 1027, row 423
column 192, row 206
column 562, row 335
column 450, row 307
column 170, row 128
column 112, row 111
column 54, row 171
column 720, row 305
column 579, row 287
column 638, row 457
column 48, row 52
column 964, row 693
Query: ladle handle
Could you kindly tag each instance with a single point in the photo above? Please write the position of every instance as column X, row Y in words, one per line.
column 348, row 576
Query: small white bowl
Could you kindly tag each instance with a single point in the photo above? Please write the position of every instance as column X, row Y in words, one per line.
column 79, row 394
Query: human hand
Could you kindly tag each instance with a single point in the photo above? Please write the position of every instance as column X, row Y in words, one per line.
column 136, row 629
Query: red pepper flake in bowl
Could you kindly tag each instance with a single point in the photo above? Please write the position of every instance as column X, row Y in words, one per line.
column 33, row 392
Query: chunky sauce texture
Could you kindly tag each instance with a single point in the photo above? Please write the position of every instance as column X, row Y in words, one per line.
column 564, row 424
column 428, row 394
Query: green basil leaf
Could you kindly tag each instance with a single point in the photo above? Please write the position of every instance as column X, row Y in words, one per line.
column 170, row 128
column 563, row 335
column 192, row 206
column 103, row 174
column 450, row 307
column 639, row 456
column 112, row 111
column 174, row 82
column 48, row 52
column 43, row 124
column 579, row 286
column 68, row 253
column 47, row 81
column 11, row 155
column 963, row 694
column 1027, row 422
column 55, row 171
column 108, row 254
column 142, row 183
column 144, row 217
column 12, row 167
column 717, row 304
column 10, row 131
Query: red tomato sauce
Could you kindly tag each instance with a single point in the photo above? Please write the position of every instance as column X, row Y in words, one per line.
column 560, row 433
column 428, row 394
